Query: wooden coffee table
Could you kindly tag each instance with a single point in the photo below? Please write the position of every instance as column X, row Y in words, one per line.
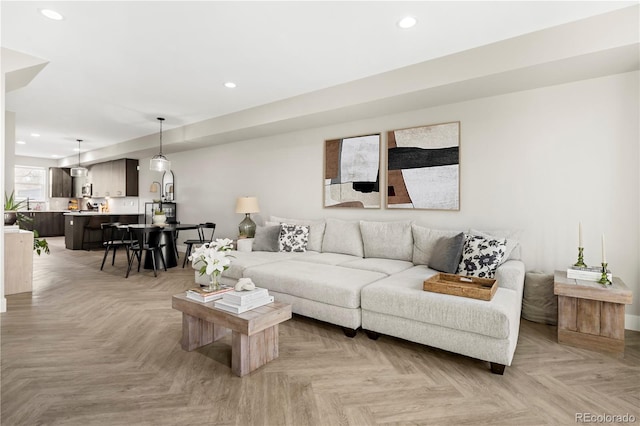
column 254, row 338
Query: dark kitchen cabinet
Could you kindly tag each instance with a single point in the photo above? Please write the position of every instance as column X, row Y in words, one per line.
column 48, row 224
column 60, row 182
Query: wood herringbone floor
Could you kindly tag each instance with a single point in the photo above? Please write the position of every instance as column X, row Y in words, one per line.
column 92, row 348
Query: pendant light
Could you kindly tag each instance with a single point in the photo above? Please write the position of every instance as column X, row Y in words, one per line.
column 159, row 162
column 79, row 171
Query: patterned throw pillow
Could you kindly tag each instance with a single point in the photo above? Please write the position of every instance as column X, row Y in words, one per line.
column 481, row 256
column 293, row 237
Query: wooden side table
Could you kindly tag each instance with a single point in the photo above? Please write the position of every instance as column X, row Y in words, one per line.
column 590, row 315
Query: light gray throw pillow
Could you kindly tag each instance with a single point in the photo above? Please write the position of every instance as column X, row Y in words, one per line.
column 266, row 238
column 342, row 237
column 447, row 253
column 387, row 240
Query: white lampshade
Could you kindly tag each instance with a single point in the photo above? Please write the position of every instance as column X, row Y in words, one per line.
column 247, row 205
column 79, row 172
column 159, row 163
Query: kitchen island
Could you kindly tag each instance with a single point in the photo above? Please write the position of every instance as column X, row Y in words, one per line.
column 75, row 223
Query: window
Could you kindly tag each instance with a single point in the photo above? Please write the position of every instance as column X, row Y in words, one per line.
column 30, row 182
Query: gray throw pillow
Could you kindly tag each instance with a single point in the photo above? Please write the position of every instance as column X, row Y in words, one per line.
column 266, row 238
column 447, row 253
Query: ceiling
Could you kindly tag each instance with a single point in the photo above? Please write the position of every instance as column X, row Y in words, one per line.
column 113, row 67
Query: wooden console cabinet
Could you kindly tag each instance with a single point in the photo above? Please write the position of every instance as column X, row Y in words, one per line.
column 590, row 315
column 18, row 262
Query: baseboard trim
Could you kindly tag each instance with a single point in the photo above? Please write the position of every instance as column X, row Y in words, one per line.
column 632, row 322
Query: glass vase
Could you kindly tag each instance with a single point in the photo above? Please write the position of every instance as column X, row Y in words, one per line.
column 214, row 282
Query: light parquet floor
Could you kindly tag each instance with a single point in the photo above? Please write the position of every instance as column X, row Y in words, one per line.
column 92, row 348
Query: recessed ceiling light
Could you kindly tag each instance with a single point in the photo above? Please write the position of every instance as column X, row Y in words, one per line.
column 21, row 142
column 407, row 22
column 35, row 135
column 230, row 85
column 55, row 156
column 52, row 14
column 76, row 149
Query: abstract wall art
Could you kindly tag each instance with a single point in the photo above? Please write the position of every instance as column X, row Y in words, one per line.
column 352, row 172
column 423, row 167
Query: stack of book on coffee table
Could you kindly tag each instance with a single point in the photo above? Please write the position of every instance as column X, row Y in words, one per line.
column 238, row 302
column 201, row 295
column 587, row 273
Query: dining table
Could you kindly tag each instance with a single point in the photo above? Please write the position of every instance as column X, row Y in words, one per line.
column 163, row 235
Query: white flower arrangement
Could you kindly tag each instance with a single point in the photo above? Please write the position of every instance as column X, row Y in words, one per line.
column 214, row 256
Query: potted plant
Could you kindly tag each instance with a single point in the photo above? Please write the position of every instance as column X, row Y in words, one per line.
column 13, row 216
column 11, row 207
column 159, row 218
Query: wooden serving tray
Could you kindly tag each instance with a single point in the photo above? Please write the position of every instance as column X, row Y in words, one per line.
column 459, row 285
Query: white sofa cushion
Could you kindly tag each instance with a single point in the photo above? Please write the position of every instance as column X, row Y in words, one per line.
column 386, row 266
column 316, row 230
column 402, row 295
column 387, row 240
column 424, row 240
column 344, row 237
column 242, row 260
column 329, row 284
column 328, row 258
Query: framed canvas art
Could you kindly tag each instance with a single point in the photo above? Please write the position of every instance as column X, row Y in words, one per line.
column 352, row 172
column 423, row 167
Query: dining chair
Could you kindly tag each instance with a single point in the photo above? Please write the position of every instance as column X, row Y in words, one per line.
column 175, row 236
column 113, row 238
column 205, row 235
column 145, row 240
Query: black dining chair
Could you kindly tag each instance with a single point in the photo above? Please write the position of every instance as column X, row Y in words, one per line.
column 145, row 240
column 205, row 235
column 175, row 236
column 113, row 238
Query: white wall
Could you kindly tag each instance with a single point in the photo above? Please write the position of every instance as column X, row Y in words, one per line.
column 539, row 161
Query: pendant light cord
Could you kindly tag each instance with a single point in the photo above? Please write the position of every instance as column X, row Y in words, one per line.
column 79, row 140
column 161, row 120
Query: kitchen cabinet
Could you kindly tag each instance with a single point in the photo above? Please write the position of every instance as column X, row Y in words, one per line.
column 60, row 182
column 118, row 178
column 48, row 224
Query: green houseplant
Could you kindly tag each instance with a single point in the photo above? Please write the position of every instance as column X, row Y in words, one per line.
column 13, row 216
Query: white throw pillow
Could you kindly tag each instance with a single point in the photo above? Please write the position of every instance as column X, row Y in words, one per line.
column 316, row 230
column 424, row 241
column 343, row 237
column 387, row 240
column 293, row 238
column 512, row 249
column 481, row 256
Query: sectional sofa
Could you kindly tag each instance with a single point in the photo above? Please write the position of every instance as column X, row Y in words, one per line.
column 369, row 275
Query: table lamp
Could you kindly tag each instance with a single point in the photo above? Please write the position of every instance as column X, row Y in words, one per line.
column 247, row 205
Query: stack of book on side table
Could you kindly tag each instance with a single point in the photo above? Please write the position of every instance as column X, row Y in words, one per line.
column 238, row 302
column 587, row 273
column 201, row 295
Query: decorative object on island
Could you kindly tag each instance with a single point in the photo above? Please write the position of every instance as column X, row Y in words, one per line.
column 247, row 205
column 580, row 263
column 423, row 167
column 79, row 171
column 212, row 259
column 352, row 172
column 159, row 218
column 159, row 162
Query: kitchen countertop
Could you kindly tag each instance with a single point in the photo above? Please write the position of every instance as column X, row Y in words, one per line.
column 93, row 213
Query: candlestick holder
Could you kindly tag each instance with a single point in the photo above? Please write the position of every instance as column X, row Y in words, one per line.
column 580, row 263
column 604, row 280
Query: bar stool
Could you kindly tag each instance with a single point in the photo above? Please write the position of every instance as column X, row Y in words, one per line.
column 94, row 224
column 113, row 237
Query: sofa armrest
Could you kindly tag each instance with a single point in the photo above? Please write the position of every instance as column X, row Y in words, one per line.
column 511, row 275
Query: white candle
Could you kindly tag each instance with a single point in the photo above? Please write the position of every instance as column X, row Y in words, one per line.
column 604, row 256
column 580, row 234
